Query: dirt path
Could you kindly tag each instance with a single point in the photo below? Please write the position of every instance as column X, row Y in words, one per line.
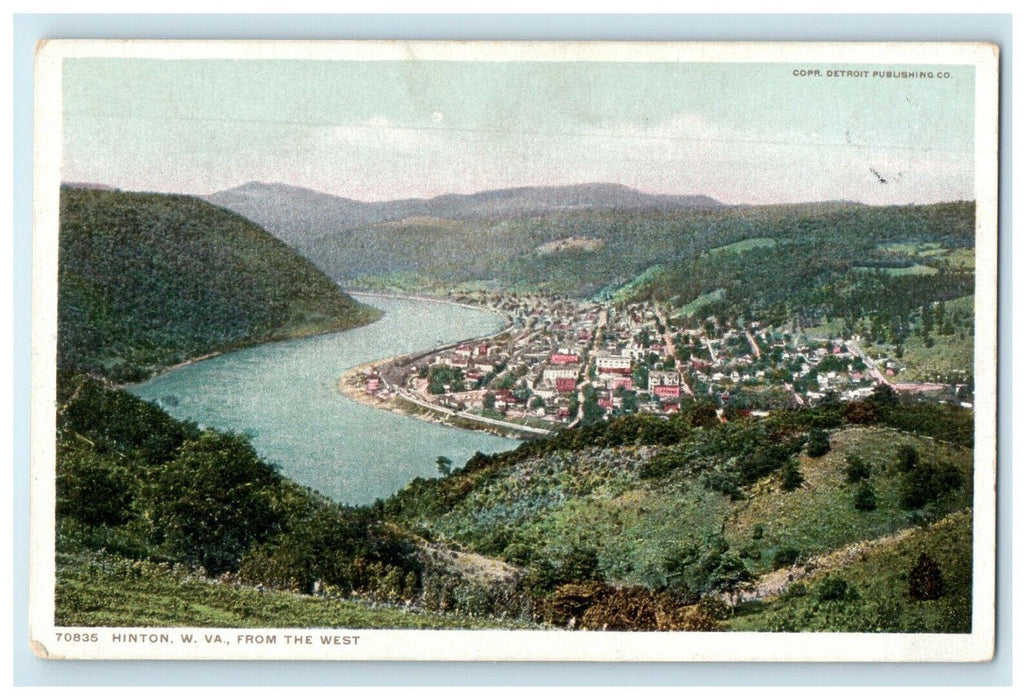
column 775, row 582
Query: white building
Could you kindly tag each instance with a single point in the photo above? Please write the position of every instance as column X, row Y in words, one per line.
column 661, row 378
column 611, row 363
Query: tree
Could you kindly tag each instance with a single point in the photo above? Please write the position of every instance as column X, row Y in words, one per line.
column 925, row 581
column 730, row 575
column 864, row 499
column 857, row 469
column 444, row 465
column 702, row 413
column 907, row 458
column 579, row 564
column 817, row 443
column 91, row 490
column 213, row 500
column 791, row 478
column 860, row 412
column 885, row 395
column 489, row 401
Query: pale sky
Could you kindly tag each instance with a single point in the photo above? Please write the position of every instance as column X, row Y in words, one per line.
column 741, row 133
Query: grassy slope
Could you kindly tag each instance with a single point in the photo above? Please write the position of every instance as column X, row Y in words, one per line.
column 149, row 280
column 595, row 498
column 103, row 590
column 879, row 589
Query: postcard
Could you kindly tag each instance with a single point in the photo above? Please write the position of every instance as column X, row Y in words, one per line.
column 551, row 351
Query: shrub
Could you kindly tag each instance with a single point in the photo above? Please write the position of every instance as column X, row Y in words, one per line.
column 785, row 556
column 857, row 469
column 864, row 499
column 925, row 582
column 579, row 564
column 832, row 588
column 797, row 589
column 750, row 552
column 817, row 443
column 661, row 466
column 714, row 608
column 791, row 478
column 925, row 483
column 907, row 458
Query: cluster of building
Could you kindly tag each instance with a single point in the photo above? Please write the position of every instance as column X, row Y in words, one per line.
column 563, row 361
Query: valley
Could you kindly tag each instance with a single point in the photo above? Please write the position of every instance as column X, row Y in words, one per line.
column 706, row 397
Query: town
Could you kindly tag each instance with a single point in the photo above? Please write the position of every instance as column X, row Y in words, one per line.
column 561, row 362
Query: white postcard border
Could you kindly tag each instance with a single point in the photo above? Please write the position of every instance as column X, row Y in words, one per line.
column 513, row 645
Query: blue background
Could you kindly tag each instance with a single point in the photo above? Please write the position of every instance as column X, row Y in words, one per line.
column 28, row 29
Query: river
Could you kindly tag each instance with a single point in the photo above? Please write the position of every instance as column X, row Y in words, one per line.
column 284, row 396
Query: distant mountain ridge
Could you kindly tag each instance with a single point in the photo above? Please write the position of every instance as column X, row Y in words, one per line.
column 290, row 212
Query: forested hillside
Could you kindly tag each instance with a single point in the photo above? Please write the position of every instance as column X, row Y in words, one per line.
column 148, row 280
column 528, row 252
column 690, row 523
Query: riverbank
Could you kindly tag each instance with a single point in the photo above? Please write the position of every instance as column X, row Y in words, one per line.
column 371, row 315
column 353, row 385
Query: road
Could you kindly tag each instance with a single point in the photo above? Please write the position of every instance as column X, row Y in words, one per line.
column 672, row 351
column 515, row 427
column 855, row 350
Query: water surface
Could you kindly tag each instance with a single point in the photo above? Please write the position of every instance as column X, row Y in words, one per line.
column 284, row 396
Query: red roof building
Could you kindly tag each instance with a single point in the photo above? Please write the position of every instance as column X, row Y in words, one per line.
column 663, row 391
column 562, row 358
column 566, row 386
column 618, row 383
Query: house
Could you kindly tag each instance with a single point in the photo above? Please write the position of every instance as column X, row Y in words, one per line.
column 565, row 385
column 372, row 385
column 663, row 378
column 610, row 364
column 618, row 383
column 666, row 391
column 552, row 373
column 564, row 359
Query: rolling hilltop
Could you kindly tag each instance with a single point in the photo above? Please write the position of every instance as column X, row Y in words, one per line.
column 147, row 281
column 519, row 239
column 292, row 212
column 486, row 235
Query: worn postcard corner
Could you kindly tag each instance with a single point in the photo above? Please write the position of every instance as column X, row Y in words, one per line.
column 514, row 351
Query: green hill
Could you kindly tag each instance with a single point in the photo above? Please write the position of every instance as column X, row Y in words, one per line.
column 149, row 280
column 672, row 516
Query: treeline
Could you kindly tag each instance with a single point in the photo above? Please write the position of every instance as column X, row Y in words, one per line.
column 146, row 281
column 506, row 248
column 805, row 279
column 135, row 482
